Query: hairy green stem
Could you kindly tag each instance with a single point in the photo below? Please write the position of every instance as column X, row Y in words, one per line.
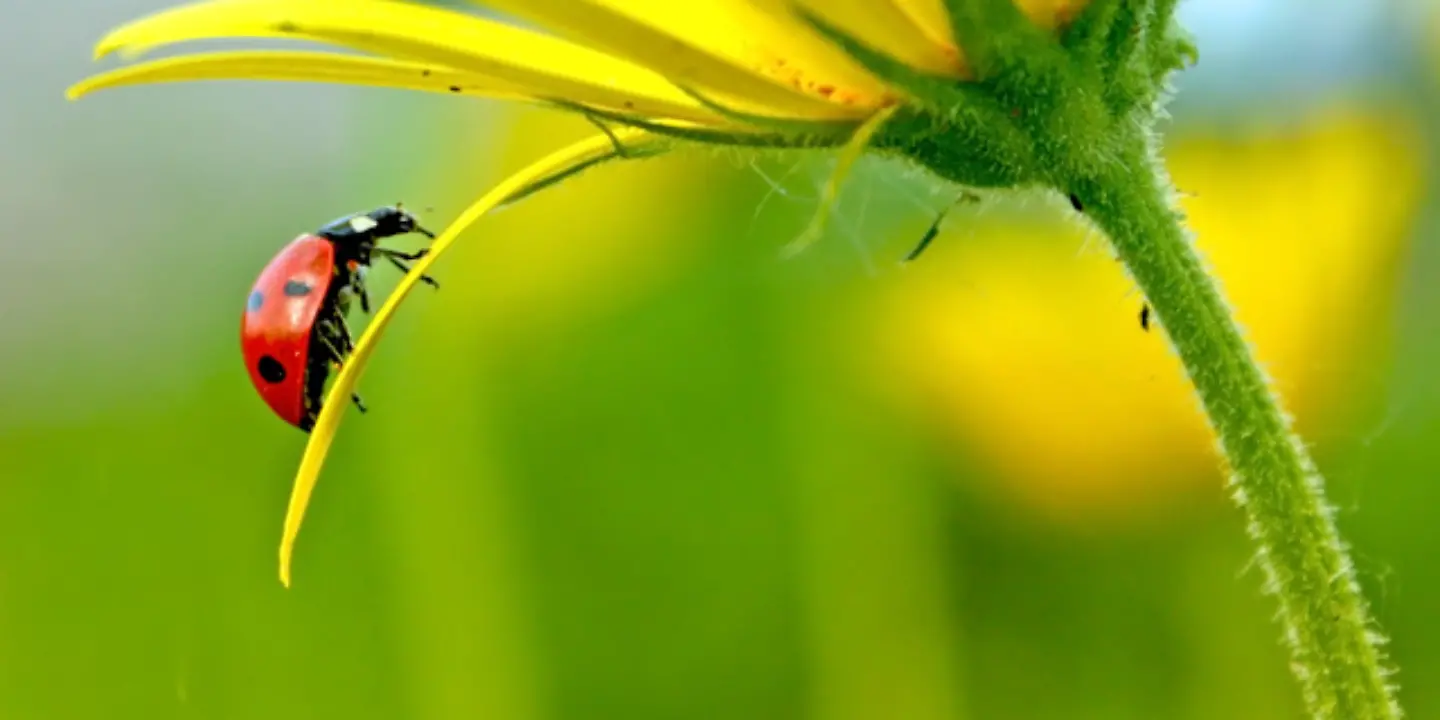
column 1076, row 114
column 1335, row 652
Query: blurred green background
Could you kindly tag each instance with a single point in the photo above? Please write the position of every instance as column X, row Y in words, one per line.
column 628, row 463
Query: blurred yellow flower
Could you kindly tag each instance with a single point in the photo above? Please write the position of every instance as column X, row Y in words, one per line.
column 1025, row 342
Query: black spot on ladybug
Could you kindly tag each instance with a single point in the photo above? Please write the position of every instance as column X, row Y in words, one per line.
column 257, row 299
column 271, row 370
column 297, row 288
column 1075, row 203
column 454, row 88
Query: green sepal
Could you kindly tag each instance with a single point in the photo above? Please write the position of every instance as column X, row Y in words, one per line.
column 944, row 114
column 1162, row 12
column 1006, row 50
column 1129, row 48
column 1085, row 37
column 1124, row 39
column 840, row 130
column 981, row 154
column 1172, row 50
column 1123, row 65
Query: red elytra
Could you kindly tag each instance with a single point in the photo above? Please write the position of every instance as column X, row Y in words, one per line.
column 275, row 332
column 294, row 330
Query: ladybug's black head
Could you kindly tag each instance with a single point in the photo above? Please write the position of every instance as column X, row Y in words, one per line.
column 390, row 221
column 366, row 228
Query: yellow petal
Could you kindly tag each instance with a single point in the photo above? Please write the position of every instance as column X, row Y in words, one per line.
column 887, row 28
column 337, row 399
column 543, row 65
column 302, row 67
column 752, row 60
column 931, row 17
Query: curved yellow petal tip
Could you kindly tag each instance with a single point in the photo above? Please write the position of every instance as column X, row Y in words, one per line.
column 114, row 40
column 558, row 164
column 130, row 39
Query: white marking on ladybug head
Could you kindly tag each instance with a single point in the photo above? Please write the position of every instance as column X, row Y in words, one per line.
column 362, row 223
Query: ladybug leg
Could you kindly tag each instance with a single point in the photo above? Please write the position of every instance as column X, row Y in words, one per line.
column 364, row 294
column 329, row 343
column 335, row 335
column 397, row 262
column 343, row 329
column 342, row 334
column 355, row 285
column 422, row 252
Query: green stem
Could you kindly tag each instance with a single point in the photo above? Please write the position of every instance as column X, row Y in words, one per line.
column 1334, row 651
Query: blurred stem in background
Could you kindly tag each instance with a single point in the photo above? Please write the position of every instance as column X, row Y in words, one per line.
column 881, row 584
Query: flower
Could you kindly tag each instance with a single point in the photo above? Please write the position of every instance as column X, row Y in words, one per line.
column 744, row 72
column 973, row 90
column 788, row 73
column 640, row 57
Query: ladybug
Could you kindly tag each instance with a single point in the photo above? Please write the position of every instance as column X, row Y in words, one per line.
column 293, row 330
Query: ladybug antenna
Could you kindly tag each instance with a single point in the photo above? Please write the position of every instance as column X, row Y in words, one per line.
column 401, row 207
column 429, row 209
